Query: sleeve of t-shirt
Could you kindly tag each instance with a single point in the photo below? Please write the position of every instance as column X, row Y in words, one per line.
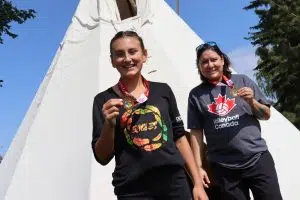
column 195, row 116
column 177, row 123
column 98, row 121
column 258, row 95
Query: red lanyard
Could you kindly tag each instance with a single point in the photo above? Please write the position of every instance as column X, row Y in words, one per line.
column 228, row 82
column 124, row 90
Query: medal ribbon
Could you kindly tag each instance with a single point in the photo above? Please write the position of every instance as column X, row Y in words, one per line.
column 124, row 90
column 228, row 82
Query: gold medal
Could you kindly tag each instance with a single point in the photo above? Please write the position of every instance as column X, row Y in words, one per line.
column 129, row 102
column 234, row 92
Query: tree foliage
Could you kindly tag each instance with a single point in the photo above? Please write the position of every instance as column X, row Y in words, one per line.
column 277, row 38
column 8, row 14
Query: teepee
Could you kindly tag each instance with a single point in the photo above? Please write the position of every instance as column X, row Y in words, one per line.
column 50, row 157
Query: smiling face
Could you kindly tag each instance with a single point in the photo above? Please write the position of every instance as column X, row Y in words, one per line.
column 211, row 65
column 128, row 56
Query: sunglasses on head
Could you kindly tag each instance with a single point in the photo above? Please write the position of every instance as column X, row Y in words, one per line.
column 206, row 44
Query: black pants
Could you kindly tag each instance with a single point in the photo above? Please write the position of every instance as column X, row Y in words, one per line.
column 213, row 192
column 167, row 183
column 261, row 179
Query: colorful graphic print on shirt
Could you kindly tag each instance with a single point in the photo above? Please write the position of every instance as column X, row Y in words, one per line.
column 144, row 128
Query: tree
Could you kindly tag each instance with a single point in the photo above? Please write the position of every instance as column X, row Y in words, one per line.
column 10, row 13
column 277, row 38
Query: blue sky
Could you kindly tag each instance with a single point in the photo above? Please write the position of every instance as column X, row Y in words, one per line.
column 25, row 60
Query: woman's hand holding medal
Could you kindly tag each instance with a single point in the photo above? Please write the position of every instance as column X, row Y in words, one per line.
column 129, row 102
column 111, row 110
column 246, row 93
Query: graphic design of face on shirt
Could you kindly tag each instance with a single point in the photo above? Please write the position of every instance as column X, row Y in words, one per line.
column 222, row 105
column 144, row 128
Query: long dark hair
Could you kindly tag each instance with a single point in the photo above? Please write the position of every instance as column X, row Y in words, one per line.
column 214, row 47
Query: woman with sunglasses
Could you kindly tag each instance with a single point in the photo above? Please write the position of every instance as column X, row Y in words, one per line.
column 227, row 108
column 137, row 122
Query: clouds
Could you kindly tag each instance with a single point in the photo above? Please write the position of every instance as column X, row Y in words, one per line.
column 244, row 60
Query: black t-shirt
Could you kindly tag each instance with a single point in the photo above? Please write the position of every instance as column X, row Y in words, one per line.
column 144, row 135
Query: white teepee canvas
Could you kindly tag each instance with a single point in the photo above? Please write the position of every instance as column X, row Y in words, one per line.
column 50, row 157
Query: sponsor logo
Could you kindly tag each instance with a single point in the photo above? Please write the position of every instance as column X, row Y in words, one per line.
column 178, row 119
column 222, row 105
column 224, row 122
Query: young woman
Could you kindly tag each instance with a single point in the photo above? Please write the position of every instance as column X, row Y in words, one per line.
column 137, row 122
column 226, row 108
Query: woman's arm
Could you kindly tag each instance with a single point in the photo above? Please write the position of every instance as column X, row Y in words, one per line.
column 104, row 146
column 184, row 148
column 260, row 111
column 187, row 154
column 197, row 146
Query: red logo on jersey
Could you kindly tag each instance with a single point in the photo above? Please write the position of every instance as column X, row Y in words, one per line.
column 222, row 105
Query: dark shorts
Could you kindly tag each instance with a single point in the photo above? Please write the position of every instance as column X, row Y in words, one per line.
column 261, row 179
column 160, row 184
